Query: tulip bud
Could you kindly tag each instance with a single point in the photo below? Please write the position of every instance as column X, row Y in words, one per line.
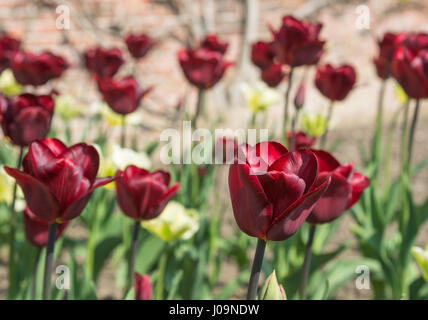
column 421, row 257
column 299, row 99
column 142, row 287
column 271, row 290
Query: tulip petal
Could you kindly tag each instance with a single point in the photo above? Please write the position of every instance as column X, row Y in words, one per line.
column 41, row 162
column 358, row 182
column 326, row 162
column 251, row 206
column 86, row 157
column 124, row 197
column 158, row 207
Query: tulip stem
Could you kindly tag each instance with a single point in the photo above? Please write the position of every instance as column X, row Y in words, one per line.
column 379, row 123
column 12, row 231
column 134, row 245
column 161, row 274
column 256, row 269
column 404, row 136
column 307, row 263
column 292, row 145
column 199, row 106
column 329, row 114
column 287, row 98
column 47, row 279
column 35, row 271
column 412, row 133
column 123, row 135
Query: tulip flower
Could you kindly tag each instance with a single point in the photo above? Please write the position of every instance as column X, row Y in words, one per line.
column 9, row 87
column 345, row 189
column 387, row 46
column 36, row 230
column 259, row 96
column 273, row 75
column 203, row 68
column 142, row 287
column 139, row 44
column 271, row 290
column 26, row 118
column 300, row 140
column 8, row 47
column 57, row 181
column 37, row 69
column 421, row 257
column 123, row 95
column 313, row 125
column 262, row 54
column 273, row 204
column 211, row 42
column 335, row 82
column 103, row 62
column 297, row 43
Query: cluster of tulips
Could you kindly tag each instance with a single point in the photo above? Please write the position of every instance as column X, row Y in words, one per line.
column 274, row 187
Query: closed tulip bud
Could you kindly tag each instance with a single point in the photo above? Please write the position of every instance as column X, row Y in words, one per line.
column 37, row 69
column 103, row 62
column 211, row 42
column 143, row 195
column 57, row 181
column 301, row 140
column 421, row 257
column 271, row 290
column 139, row 44
column 26, row 118
column 387, row 46
column 299, row 99
column 345, row 189
column 272, row 190
column 142, row 287
column 8, row 47
column 335, row 82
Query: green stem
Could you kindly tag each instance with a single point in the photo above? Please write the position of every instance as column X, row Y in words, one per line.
column 329, row 114
column 404, row 135
column 307, row 263
column 199, row 107
column 412, row 133
column 161, row 275
column 133, row 253
column 292, row 141
column 123, row 135
column 377, row 138
column 35, row 271
column 287, row 99
column 256, row 270
column 47, row 279
column 12, row 233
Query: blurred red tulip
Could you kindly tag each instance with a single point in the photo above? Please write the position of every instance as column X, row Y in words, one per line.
column 122, row 95
column 139, row 44
column 103, row 62
column 335, row 82
column 203, row 68
column 273, row 203
column 262, row 54
column 387, row 46
column 301, row 140
column 36, row 230
column 273, row 75
column 57, row 181
column 143, row 195
column 297, row 42
column 299, row 99
column 225, row 150
column 37, row 69
column 26, row 117
column 211, row 42
column 8, row 47
column 142, row 287
column 344, row 191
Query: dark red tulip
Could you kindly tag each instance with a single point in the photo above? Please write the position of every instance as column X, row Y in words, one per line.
column 387, row 46
column 262, row 54
column 297, row 42
column 273, row 190
column 345, row 189
column 211, row 42
column 37, row 230
column 299, row 99
column 122, row 95
column 8, row 47
column 410, row 69
column 142, row 287
column 143, row 195
column 26, row 117
column 103, row 62
column 139, row 44
column 203, row 68
column 335, row 82
column 273, row 75
column 58, row 181
column 225, row 150
column 37, row 69
column 301, row 140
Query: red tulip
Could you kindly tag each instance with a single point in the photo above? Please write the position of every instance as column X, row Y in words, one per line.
column 387, row 46
column 26, row 117
column 273, row 190
column 410, row 69
column 142, row 287
column 273, row 75
column 203, row 68
column 297, row 42
column 335, row 83
column 122, row 95
column 8, row 47
column 301, row 140
column 262, row 54
column 58, row 181
column 143, row 195
column 225, row 150
column 344, row 191
column 37, row 69
column 103, row 62
column 299, row 99
column 139, row 45
column 37, row 230
column 211, row 42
